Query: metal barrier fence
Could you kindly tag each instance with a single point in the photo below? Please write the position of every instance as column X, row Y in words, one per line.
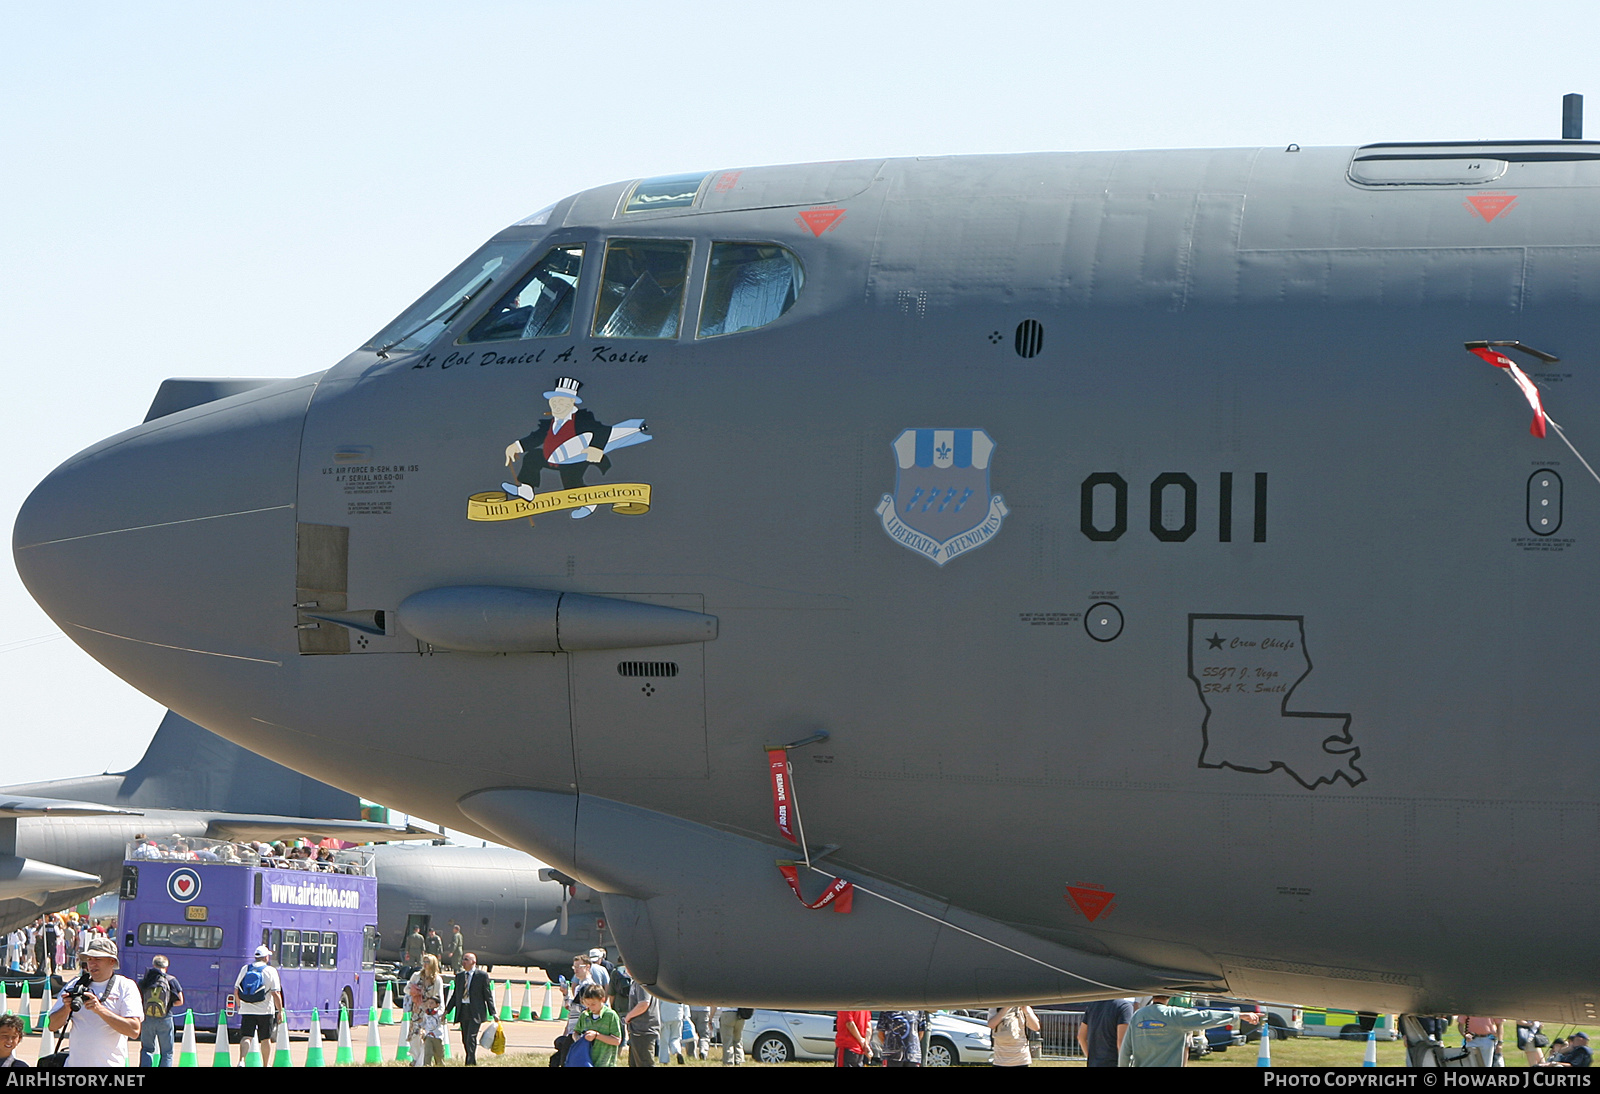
column 1059, row 1028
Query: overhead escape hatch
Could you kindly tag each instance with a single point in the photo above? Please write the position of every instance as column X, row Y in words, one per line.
column 1478, row 163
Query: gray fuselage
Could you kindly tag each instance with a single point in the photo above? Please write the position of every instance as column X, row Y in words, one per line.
column 1247, row 436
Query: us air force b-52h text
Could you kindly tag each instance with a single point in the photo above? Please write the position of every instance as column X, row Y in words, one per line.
column 1068, row 575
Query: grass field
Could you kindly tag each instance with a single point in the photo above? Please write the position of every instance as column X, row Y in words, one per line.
column 1309, row 1052
column 1296, row 1052
column 1332, row 1052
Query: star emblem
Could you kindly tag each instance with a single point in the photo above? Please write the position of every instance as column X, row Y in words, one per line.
column 1215, row 641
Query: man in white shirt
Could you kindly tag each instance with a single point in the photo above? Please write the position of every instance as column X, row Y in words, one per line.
column 258, row 1017
column 110, row 1011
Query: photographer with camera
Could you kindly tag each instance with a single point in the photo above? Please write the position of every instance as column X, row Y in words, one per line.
column 104, row 1008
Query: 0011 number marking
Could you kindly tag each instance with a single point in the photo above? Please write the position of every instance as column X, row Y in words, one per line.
column 1103, row 481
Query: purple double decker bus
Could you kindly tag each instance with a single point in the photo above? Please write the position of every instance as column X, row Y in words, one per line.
column 207, row 905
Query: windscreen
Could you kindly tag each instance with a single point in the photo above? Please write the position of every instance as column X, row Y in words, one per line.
column 538, row 306
column 422, row 322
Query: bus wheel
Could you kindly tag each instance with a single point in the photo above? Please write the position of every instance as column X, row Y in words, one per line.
column 348, row 1002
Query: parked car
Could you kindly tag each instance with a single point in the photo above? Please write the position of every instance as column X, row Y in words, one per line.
column 779, row 1036
column 1222, row 1038
column 1350, row 1025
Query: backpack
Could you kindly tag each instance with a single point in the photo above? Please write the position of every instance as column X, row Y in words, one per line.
column 252, row 985
column 1011, row 1029
column 621, row 982
column 578, row 1054
column 158, row 998
column 898, row 1035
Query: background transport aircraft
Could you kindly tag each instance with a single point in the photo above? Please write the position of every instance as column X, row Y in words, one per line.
column 62, row 841
column 192, row 783
column 1051, row 511
column 510, row 910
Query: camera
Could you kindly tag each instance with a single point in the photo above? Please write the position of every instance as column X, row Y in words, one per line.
column 80, row 987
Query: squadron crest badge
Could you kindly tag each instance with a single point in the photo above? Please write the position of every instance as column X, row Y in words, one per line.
column 941, row 506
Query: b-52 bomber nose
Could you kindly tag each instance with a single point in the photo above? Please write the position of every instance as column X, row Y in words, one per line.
column 159, row 549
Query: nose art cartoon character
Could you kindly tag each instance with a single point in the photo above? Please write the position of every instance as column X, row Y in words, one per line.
column 568, row 442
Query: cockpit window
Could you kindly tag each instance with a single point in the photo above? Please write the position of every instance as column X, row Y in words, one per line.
column 748, row 285
column 641, row 288
column 535, row 220
column 541, row 303
column 422, row 322
column 667, row 192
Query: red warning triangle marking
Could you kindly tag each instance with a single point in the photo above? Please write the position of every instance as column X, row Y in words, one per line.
column 1091, row 902
column 820, row 220
column 1489, row 206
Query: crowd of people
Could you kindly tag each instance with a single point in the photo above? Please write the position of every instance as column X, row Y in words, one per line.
column 51, row 942
column 285, row 855
column 609, row 1011
column 1483, row 1041
column 609, row 1015
column 1119, row 1032
column 450, row 951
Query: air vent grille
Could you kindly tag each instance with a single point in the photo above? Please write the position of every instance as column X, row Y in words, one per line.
column 647, row 668
column 1030, row 338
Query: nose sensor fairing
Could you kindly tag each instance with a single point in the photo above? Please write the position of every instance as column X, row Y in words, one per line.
column 172, row 544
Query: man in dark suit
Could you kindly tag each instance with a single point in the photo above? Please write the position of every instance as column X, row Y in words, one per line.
column 472, row 998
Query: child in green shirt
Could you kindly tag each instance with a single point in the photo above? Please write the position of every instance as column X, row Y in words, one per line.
column 600, row 1026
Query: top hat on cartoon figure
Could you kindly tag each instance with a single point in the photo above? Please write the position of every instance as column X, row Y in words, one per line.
column 566, row 388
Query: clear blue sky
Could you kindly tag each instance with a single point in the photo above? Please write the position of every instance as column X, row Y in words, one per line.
column 215, row 189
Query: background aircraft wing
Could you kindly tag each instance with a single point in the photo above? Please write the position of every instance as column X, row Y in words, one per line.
column 37, row 882
column 262, row 826
column 20, row 805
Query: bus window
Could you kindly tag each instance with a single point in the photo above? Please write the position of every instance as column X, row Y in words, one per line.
column 180, row 936
column 641, row 288
column 258, row 888
column 308, row 950
column 275, row 944
column 130, row 883
column 330, row 949
column 369, row 947
column 290, row 957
